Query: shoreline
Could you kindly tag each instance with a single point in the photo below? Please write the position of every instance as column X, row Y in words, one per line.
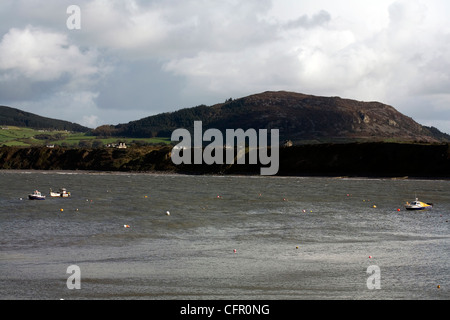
column 366, row 160
column 243, row 175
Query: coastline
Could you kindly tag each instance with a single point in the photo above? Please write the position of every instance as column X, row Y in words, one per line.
column 173, row 174
column 354, row 160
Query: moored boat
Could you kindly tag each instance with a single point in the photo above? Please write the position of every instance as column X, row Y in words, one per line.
column 62, row 193
column 418, row 205
column 36, row 195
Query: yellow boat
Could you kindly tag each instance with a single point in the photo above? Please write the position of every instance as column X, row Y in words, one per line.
column 418, row 205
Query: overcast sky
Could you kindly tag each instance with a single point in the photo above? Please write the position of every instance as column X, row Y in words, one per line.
column 131, row 59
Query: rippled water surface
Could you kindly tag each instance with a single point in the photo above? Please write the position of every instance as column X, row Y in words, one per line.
column 225, row 238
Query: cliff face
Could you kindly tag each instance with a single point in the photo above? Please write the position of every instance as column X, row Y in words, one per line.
column 102, row 159
column 355, row 159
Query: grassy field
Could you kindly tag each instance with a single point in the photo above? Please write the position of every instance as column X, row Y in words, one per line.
column 27, row 137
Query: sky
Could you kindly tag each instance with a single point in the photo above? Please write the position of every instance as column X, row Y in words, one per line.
column 117, row 61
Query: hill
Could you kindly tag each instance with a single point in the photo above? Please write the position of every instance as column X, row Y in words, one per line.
column 15, row 117
column 299, row 117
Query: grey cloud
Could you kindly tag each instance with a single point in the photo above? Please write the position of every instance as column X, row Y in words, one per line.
column 319, row 19
column 18, row 87
column 167, row 55
column 140, row 85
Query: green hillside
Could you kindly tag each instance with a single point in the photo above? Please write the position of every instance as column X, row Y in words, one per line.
column 15, row 117
column 28, row 137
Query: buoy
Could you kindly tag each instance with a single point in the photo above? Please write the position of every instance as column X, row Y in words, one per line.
column 126, row 226
column 296, row 247
column 303, row 210
column 234, row 250
column 398, row 210
column 167, row 213
column 61, row 210
column 374, row 206
column 438, row 286
column 370, row 257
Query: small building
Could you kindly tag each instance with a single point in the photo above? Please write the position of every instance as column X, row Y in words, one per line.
column 122, row 145
column 287, row 143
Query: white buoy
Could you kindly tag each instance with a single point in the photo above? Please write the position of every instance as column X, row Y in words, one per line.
column 167, row 213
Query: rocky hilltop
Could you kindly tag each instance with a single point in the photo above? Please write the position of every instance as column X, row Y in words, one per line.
column 299, row 117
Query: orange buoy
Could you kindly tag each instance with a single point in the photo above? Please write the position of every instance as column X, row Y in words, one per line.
column 126, row 226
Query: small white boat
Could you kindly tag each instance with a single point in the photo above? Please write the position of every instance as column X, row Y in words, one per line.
column 36, row 195
column 62, row 193
column 418, row 205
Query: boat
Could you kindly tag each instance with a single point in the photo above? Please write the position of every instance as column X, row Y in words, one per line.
column 62, row 193
column 36, row 195
column 418, row 205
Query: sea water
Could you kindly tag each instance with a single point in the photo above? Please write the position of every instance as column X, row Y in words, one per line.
column 149, row 236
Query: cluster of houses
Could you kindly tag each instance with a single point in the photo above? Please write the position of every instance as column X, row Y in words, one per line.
column 120, row 145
